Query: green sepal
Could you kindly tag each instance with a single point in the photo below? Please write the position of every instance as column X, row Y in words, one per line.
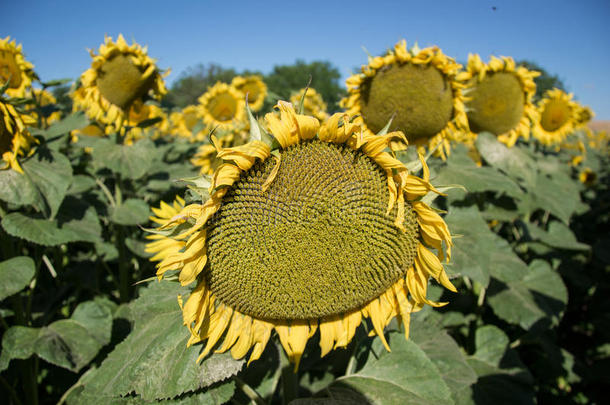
column 177, row 230
column 386, row 128
column 199, row 184
column 302, row 102
column 431, row 196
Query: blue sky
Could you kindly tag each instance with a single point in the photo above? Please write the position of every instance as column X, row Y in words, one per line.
column 568, row 38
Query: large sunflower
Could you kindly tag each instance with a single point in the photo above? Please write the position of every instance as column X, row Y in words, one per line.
column 254, row 87
column 15, row 140
column 320, row 233
column 313, row 104
column 119, row 76
column 417, row 87
column 14, row 69
column 499, row 97
column 556, row 117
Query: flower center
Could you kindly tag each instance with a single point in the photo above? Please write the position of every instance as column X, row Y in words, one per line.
column 253, row 91
column 316, row 243
column 223, row 107
column 419, row 95
column 556, row 113
column 497, row 104
column 121, row 82
column 9, row 69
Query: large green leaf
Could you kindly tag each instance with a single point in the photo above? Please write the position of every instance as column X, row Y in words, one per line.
column 16, row 274
column 446, row 355
column 74, row 121
column 68, row 343
column 51, row 174
column 471, row 255
column 154, row 361
column 460, row 169
column 512, row 161
column 530, row 296
column 502, row 377
column 557, row 236
column 17, row 188
column 131, row 212
column 407, row 375
column 130, row 161
column 49, row 232
column 557, row 194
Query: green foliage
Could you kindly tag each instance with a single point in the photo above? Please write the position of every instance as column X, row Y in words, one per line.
column 545, row 81
column 286, row 79
column 193, row 82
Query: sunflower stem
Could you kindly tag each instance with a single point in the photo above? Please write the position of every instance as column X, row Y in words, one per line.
column 249, row 391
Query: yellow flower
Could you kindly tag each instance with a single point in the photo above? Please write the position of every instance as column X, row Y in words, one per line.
column 557, row 117
column 223, row 107
column 184, row 122
column 139, row 113
column 324, row 231
column 254, row 87
column 15, row 140
column 583, row 115
column 313, row 104
column 418, row 88
column 587, row 177
column 499, row 98
column 14, row 68
column 120, row 75
column 43, row 99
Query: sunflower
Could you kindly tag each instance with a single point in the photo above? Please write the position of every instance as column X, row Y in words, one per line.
column 417, row 87
column 14, row 69
column 223, row 106
column 499, row 97
column 587, row 177
column 321, row 232
column 15, row 140
column 313, row 104
column 44, row 99
column 119, row 76
column 254, row 87
column 583, row 115
column 557, row 117
column 139, row 113
column 184, row 122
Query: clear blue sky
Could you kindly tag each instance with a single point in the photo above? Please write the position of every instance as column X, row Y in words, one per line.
column 568, row 38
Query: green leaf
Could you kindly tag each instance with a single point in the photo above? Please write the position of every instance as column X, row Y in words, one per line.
column 130, row 161
column 51, row 173
column 17, row 188
column 512, row 161
column 81, row 183
column 154, row 361
column 18, row 342
column 558, row 236
column 77, row 120
column 531, row 296
column 16, row 274
column 557, row 194
column 446, row 355
column 502, row 377
column 54, row 232
column 460, row 169
column 130, row 212
column 68, row 343
column 471, row 255
column 405, row 376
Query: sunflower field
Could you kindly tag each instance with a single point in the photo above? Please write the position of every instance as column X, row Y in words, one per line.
column 438, row 240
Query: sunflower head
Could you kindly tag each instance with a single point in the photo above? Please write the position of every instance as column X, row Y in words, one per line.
column 313, row 104
column 15, row 140
column 254, row 88
column 557, row 117
column 583, row 116
column 306, row 227
column 416, row 88
column 499, row 97
column 14, row 69
column 587, row 177
column 120, row 75
column 223, row 106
